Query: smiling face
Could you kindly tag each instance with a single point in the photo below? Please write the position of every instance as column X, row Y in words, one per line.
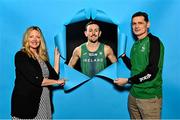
column 34, row 40
column 92, row 33
column 34, row 43
column 140, row 26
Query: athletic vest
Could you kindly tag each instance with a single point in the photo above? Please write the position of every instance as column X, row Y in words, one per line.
column 92, row 62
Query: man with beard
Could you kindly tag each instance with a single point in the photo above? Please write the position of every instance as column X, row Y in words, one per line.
column 92, row 54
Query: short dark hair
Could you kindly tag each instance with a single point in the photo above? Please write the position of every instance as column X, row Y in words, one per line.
column 145, row 15
column 92, row 22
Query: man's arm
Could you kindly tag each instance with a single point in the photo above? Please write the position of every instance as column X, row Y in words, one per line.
column 126, row 60
column 152, row 68
column 75, row 56
column 109, row 53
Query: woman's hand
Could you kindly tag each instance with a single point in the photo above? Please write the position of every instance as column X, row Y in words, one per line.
column 61, row 82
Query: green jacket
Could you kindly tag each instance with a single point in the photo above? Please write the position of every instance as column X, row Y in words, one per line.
column 146, row 63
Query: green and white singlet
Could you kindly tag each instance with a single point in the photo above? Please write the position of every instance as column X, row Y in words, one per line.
column 92, row 62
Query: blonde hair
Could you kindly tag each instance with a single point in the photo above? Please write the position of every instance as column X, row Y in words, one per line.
column 42, row 50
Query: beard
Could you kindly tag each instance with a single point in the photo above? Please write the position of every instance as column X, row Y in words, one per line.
column 93, row 41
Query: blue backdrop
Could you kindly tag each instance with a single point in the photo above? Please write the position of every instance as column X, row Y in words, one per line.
column 98, row 98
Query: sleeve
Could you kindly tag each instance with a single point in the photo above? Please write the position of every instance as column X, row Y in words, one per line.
column 152, row 68
column 25, row 67
column 53, row 74
column 127, row 61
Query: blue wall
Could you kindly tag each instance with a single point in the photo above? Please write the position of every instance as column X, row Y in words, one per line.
column 97, row 98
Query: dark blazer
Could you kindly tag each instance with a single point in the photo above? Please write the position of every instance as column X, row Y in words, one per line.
column 27, row 90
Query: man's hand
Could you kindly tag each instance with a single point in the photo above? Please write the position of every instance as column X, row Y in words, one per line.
column 121, row 81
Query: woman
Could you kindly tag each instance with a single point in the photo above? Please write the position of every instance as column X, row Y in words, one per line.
column 31, row 96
